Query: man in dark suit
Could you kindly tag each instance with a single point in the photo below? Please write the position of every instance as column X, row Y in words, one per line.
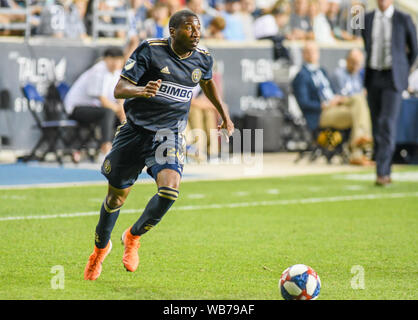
column 390, row 41
column 321, row 107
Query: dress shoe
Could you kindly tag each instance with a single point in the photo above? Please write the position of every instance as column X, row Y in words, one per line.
column 383, row 181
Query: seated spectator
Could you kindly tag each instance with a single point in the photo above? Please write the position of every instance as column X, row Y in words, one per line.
column 105, row 5
column 348, row 80
column 52, row 20
column 265, row 4
column 218, row 5
column 74, row 16
column 300, row 25
column 346, row 13
column 275, row 24
column 323, row 108
column 247, row 17
column 234, row 29
column 198, row 7
column 91, row 100
column 215, row 28
column 321, row 29
column 333, row 15
column 61, row 19
column 8, row 18
column 173, row 5
column 118, row 6
column 136, row 33
column 157, row 25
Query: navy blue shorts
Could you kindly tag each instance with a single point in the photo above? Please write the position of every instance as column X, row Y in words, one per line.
column 134, row 148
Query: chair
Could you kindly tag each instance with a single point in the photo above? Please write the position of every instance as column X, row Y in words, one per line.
column 62, row 89
column 292, row 131
column 82, row 140
column 326, row 142
column 53, row 131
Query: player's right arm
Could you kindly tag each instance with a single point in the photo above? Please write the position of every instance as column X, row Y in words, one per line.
column 125, row 89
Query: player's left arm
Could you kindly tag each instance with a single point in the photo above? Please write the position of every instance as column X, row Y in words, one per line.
column 209, row 89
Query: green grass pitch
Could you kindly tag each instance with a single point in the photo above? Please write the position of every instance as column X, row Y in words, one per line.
column 221, row 240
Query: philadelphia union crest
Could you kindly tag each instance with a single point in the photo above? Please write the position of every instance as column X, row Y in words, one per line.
column 196, row 75
column 107, row 167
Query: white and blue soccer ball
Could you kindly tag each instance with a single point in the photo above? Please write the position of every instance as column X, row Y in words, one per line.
column 299, row 282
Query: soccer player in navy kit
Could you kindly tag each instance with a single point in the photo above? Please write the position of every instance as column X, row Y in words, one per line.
column 157, row 83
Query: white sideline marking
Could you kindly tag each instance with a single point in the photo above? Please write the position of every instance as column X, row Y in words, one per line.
column 273, row 191
column 13, row 197
column 411, row 176
column 241, row 193
column 231, row 205
column 196, row 196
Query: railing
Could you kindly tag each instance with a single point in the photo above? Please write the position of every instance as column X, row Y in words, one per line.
column 98, row 26
column 17, row 26
column 409, row 6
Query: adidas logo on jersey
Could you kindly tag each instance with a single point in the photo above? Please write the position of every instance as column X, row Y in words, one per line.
column 165, row 70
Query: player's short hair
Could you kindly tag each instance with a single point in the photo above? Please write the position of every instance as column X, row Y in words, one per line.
column 178, row 17
column 113, row 52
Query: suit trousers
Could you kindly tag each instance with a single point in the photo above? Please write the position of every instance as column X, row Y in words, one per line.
column 385, row 104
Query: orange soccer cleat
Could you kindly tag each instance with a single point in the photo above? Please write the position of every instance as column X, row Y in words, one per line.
column 130, row 256
column 94, row 265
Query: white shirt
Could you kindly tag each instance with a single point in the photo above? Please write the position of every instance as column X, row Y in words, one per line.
column 322, row 29
column 265, row 26
column 385, row 18
column 96, row 82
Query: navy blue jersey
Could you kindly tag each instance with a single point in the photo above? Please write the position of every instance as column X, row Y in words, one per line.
column 155, row 59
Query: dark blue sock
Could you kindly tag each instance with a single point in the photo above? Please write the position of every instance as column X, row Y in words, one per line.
column 155, row 210
column 108, row 217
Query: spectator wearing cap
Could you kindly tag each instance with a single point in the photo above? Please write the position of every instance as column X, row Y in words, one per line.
column 91, row 100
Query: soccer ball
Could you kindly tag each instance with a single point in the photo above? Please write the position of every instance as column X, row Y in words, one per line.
column 299, row 282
